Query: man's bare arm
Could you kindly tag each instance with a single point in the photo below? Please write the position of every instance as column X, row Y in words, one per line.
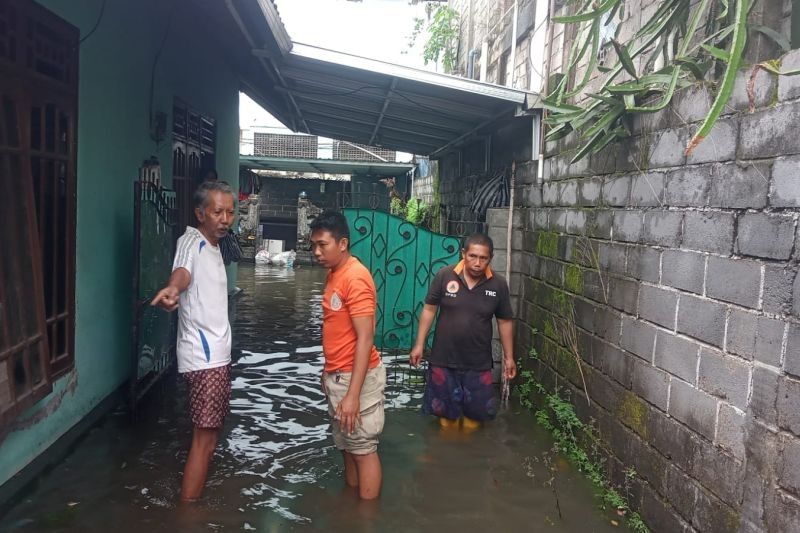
column 349, row 408
column 425, row 323
column 506, row 329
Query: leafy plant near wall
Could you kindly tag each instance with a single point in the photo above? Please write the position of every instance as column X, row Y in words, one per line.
column 442, row 29
column 676, row 47
column 578, row 441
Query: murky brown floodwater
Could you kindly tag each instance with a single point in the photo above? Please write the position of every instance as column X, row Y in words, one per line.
column 276, row 469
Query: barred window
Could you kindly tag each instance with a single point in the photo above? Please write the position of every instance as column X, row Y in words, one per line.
column 38, row 152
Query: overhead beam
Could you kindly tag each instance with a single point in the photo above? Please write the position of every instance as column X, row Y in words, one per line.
column 326, row 117
column 398, row 144
column 383, row 110
column 466, row 135
column 322, row 83
column 273, row 73
column 356, row 106
column 276, row 27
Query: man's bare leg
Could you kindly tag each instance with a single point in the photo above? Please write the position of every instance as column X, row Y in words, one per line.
column 194, row 474
column 370, row 475
column 350, row 470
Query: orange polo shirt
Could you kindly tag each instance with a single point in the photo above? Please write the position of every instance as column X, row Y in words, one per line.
column 349, row 293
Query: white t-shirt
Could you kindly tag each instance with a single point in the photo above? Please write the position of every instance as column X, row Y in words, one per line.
column 204, row 333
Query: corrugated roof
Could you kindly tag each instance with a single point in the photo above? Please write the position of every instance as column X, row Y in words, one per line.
column 356, row 99
column 380, row 104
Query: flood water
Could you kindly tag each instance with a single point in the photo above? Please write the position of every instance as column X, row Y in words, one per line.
column 276, row 468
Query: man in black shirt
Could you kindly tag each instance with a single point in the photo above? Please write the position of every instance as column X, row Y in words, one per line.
column 468, row 296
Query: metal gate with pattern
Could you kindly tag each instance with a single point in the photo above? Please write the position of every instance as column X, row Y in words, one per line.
column 403, row 259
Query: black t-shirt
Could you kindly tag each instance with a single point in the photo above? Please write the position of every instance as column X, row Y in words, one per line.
column 463, row 337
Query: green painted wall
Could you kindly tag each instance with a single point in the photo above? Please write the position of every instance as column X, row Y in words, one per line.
column 113, row 139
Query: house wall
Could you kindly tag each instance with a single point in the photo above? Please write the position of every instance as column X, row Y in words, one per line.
column 682, row 273
column 492, row 21
column 113, row 139
column 278, row 196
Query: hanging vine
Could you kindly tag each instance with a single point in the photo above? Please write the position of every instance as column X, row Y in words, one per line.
column 677, row 47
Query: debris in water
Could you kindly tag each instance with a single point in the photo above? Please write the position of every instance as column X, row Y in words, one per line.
column 614, row 523
column 145, row 491
column 248, row 527
column 72, row 504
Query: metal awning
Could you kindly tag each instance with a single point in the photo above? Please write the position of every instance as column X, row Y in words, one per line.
column 324, row 166
column 380, row 104
column 352, row 98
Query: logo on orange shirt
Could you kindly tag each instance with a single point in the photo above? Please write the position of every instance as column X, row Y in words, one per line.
column 452, row 287
column 336, row 302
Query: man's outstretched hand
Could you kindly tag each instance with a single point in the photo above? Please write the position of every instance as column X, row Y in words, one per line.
column 167, row 298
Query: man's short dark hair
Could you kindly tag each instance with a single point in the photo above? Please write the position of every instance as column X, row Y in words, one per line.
column 332, row 221
column 201, row 194
column 481, row 239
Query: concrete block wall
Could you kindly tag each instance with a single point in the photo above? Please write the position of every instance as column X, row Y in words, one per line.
column 423, row 189
column 681, row 277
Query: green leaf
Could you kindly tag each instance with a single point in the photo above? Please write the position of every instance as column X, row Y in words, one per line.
column 607, row 139
column 630, row 101
column 559, row 108
column 663, row 10
column 558, row 133
column 665, row 99
column 610, row 100
column 738, row 42
column 587, row 15
column 697, row 70
column 587, row 76
column 724, row 13
column 722, row 55
column 625, row 58
column 779, row 39
column 589, row 115
column 604, row 122
column 588, row 147
column 561, row 118
column 626, row 88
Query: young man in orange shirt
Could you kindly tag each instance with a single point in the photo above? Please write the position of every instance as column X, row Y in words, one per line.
column 354, row 378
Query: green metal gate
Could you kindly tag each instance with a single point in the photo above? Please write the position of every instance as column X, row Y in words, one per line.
column 153, row 330
column 403, row 259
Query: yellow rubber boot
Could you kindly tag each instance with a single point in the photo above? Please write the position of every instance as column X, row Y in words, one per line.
column 446, row 423
column 469, row 425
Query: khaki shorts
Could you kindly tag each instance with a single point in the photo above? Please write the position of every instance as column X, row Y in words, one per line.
column 364, row 440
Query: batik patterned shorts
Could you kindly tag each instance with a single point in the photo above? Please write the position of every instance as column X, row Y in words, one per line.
column 209, row 396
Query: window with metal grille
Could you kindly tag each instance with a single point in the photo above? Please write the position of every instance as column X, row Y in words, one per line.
column 284, row 145
column 38, row 150
column 194, row 141
column 346, row 151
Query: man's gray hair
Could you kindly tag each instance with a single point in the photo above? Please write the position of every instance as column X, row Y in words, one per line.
column 201, row 194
